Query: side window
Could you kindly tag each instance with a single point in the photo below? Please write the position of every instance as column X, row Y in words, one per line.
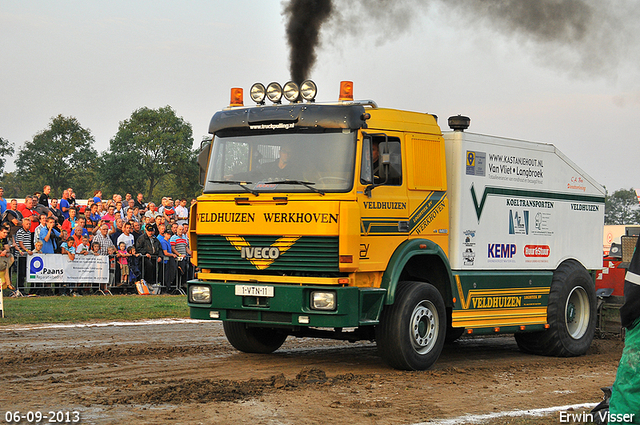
column 386, row 160
column 366, row 172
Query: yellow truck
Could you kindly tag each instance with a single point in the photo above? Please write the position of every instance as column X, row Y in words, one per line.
column 349, row 221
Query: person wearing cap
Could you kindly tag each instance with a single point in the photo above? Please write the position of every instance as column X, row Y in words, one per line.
column 150, row 248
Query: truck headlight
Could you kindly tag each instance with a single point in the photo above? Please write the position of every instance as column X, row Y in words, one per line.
column 200, row 294
column 323, row 300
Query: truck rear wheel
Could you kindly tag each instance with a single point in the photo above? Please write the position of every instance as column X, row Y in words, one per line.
column 571, row 315
column 253, row 340
column 411, row 332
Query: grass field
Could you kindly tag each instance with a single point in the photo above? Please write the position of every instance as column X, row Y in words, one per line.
column 32, row 310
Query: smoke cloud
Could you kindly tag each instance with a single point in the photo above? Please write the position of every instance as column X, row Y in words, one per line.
column 305, row 18
column 588, row 36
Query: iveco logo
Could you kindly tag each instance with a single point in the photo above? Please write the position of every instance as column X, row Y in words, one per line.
column 262, row 257
column 256, row 253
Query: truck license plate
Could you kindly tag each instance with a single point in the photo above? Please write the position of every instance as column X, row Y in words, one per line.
column 254, row 291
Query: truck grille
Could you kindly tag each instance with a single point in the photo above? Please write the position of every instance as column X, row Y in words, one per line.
column 302, row 254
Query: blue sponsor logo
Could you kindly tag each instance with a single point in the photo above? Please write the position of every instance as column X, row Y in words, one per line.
column 36, row 265
column 497, row 250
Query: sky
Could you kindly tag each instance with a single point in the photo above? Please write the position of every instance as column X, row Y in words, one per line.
column 99, row 61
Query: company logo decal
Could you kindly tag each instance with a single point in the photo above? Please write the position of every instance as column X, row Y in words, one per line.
column 36, row 265
column 497, row 250
column 262, row 257
column 518, row 222
column 476, row 163
column 537, row 251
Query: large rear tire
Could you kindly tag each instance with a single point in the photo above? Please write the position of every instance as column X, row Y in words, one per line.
column 253, row 340
column 411, row 332
column 571, row 315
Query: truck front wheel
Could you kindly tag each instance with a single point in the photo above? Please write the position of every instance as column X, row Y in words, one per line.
column 571, row 315
column 411, row 332
column 253, row 340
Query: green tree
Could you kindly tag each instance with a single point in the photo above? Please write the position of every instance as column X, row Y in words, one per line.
column 148, row 148
column 61, row 156
column 6, row 149
column 622, row 207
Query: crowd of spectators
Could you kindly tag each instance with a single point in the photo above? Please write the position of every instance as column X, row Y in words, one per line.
column 142, row 240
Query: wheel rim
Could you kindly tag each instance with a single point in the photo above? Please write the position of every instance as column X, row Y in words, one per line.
column 577, row 312
column 424, row 327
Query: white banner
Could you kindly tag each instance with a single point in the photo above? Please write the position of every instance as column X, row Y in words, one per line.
column 58, row 268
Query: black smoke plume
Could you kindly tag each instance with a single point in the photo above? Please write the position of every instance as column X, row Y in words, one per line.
column 581, row 36
column 304, row 20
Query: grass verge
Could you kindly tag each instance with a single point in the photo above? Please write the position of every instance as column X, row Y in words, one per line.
column 34, row 310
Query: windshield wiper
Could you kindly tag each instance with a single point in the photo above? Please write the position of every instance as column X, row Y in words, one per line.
column 303, row 183
column 241, row 184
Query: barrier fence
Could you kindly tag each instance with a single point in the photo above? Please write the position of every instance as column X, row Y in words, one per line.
column 57, row 274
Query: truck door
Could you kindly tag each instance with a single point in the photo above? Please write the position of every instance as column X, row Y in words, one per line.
column 383, row 203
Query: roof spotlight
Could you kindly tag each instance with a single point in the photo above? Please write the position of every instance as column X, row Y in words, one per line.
column 308, row 90
column 291, row 91
column 258, row 93
column 274, row 92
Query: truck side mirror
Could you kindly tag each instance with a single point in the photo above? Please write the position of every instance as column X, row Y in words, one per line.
column 203, row 160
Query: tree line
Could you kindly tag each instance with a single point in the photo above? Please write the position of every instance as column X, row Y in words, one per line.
column 152, row 153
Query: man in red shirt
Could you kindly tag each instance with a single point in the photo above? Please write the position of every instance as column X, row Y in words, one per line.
column 27, row 210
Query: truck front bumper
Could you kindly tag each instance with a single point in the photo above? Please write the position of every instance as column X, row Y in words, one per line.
column 289, row 305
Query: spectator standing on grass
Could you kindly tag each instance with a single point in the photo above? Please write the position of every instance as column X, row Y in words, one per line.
column 24, row 245
column 150, row 248
column 3, row 202
column 159, row 221
column 44, row 197
column 64, row 204
column 43, row 223
column 84, row 247
column 129, row 206
column 69, row 248
column 123, row 256
column 182, row 213
column 103, row 240
column 140, row 203
column 169, row 256
column 116, row 231
column 28, row 211
column 48, row 236
column 110, row 217
column 79, row 231
column 13, row 219
column 180, row 245
column 6, row 259
column 151, row 211
column 126, row 237
column 55, row 211
column 136, row 230
column 70, row 221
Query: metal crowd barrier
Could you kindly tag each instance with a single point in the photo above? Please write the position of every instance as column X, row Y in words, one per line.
column 168, row 274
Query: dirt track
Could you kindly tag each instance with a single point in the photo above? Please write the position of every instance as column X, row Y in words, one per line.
column 188, row 373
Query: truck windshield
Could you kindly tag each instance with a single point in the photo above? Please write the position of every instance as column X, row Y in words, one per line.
column 312, row 162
